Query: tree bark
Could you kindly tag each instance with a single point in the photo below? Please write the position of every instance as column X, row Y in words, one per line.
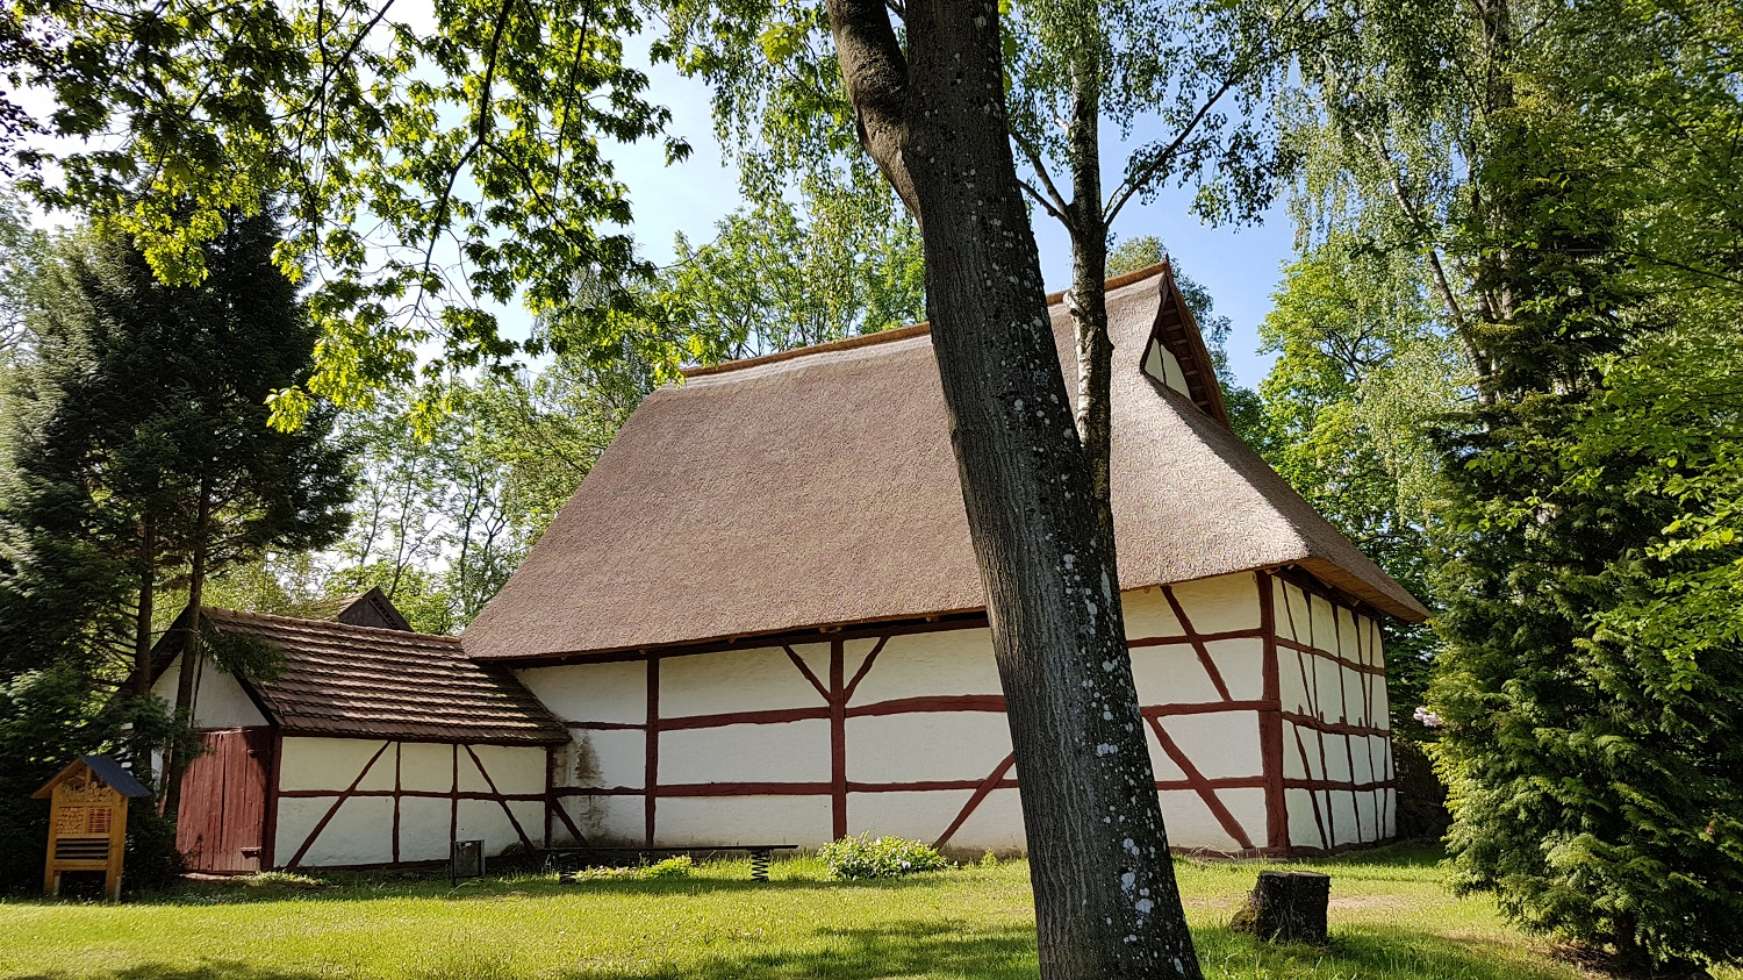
column 1089, row 271
column 142, row 746
column 186, row 692
column 934, row 117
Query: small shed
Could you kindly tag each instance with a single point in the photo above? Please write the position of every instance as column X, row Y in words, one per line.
column 370, row 746
column 87, row 825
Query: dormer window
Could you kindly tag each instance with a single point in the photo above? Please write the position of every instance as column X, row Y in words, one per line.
column 1161, row 364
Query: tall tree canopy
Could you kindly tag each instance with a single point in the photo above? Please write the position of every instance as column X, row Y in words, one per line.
column 1562, row 182
column 135, row 458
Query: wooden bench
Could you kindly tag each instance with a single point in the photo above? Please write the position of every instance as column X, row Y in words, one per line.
column 760, row 854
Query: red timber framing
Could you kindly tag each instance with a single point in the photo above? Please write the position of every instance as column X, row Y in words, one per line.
column 388, row 754
column 1282, row 648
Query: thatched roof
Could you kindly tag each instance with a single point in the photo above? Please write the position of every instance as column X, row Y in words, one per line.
column 817, row 488
column 370, row 682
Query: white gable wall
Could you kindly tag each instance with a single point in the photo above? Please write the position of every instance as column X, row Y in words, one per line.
column 220, row 702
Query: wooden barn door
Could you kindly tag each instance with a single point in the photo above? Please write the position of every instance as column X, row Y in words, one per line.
column 223, row 810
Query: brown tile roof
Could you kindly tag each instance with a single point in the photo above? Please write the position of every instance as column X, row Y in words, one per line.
column 340, row 679
column 818, row 488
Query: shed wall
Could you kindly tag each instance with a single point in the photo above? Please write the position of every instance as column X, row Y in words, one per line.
column 348, row 801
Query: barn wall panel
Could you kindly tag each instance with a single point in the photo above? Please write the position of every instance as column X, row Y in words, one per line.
column 427, row 767
column 1171, row 674
column 606, row 759
column 919, row 815
column 1147, row 614
column 423, row 829
column 608, row 692
column 1240, row 662
column 607, row 819
column 924, row 664
column 739, row 680
column 926, row 746
column 332, row 763
column 803, row 820
column 514, row 769
column 1221, row 604
column 797, row 750
column 1219, row 744
column 361, row 831
column 995, row 825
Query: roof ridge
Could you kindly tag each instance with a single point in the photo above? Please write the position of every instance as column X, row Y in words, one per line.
column 330, row 624
column 897, row 333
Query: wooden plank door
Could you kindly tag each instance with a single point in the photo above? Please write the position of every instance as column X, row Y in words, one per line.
column 223, row 809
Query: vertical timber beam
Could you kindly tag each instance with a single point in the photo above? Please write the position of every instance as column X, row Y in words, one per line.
column 651, row 777
column 269, row 829
column 837, row 738
column 1271, row 724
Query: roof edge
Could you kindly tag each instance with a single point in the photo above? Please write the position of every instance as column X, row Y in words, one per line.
column 899, row 333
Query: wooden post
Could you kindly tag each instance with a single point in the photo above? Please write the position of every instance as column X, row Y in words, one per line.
column 1286, row 906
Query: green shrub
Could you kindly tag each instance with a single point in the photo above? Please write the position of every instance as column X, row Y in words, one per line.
column 681, row 866
column 864, row 856
column 673, row 867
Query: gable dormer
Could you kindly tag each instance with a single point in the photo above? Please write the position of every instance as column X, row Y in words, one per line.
column 1175, row 354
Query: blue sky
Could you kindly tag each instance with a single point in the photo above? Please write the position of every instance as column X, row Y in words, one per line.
column 1240, row 266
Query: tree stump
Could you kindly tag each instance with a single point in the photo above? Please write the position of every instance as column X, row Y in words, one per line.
column 1286, row 906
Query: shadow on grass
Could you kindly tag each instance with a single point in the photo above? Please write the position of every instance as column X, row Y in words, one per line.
column 945, row 947
column 211, row 970
column 1372, row 952
column 360, row 889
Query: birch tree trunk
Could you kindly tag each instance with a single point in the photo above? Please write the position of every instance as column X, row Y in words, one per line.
column 933, row 118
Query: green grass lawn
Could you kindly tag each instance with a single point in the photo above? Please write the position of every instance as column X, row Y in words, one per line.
column 1391, row 917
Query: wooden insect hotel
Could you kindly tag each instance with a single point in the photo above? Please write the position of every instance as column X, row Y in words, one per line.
column 87, row 824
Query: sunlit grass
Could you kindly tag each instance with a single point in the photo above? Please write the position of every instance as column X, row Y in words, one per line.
column 1391, row 917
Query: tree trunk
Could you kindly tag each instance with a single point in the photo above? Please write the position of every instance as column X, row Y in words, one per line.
column 186, row 693
column 1089, row 272
column 1105, row 898
column 1286, row 907
column 141, row 749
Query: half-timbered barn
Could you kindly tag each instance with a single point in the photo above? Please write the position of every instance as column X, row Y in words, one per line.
column 760, row 619
column 369, row 745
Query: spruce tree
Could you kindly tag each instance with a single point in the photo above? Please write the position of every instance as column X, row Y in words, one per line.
column 1590, row 792
column 139, row 453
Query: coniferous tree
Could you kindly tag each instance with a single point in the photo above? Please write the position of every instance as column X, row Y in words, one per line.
column 139, row 452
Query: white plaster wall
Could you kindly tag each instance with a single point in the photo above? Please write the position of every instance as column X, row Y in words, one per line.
column 740, row 680
column 804, row 820
column 995, row 825
column 614, row 692
column 923, row 664
column 220, row 703
column 428, row 767
column 925, row 746
column 791, row 751
column 332, row 764
column 515, row 769
column 1219, row 744
column 1221, row 604
column 1148, row 614
column 606, row 819
column 616, row 758
column 962, row 746
column 1172, row 674
column 361, row 831
column 1191, row 824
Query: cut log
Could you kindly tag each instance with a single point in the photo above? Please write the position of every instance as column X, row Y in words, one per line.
column 1286, row 907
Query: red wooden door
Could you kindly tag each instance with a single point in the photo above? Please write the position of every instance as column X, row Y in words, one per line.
column 223, row 810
